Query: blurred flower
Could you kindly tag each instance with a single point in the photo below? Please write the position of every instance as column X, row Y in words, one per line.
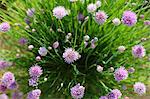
column 77, row 92
column 59, row 12
column 23, row 41
column 3, row 96
column 30, row 47
column 100, row 17
column 120, row 74
column 18, row 55
column 55, row 44
column 131, row 70
column 73, row 0
column 17, row 95
column 147, row 22
column 103, row 97
column 139, row 88
column 129, row 18
column 86, row 38
column 35, row 71
column 121, row 49
column 126, row 97
column 42, row 51
column 38, row 58
column 33, row 30
column 124, row 87
column 34, row 94
column 112, row 95
column 13, row 86
column 49, row 48
column 117, row 93
column 4, row 64
column 93, row 45
column 70, row 55
column 30, row 12
column 85, row 44
column 8, row 78
column 80, row 17
column 138, row 51
column 98, row 4
column 142, row 16
column 91, row 8
column 4, row 27
column 33, row 81
column 27, row 20
column 99, row 68
column 112, row 69
column 27, row 27
column 3, row 88
column 116, row 21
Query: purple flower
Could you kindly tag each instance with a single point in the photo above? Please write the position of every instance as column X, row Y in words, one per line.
column 91, row 8
column 13, row 86
column 42, row 51
column 59, row 12
column 112, row 95
column 34, row 94
column 27, row 20
column 121, row 74
column 117, row 92
column 30, row 12
column 3, row 96
column 4, row 64
column 23, row 41
column 147, row 22
column 4, row 27
column 100, row 17
column 77, row 91
column 33, row 81
column 129, row 18
column 35, row 71
column 138, row 51
column 80, row 17
column 8, row 78
column 139, row 88
column 103, row 97
column 3, row 88
column 55, row 44
column 131, row 70
column 17, row 95
column 70, row 55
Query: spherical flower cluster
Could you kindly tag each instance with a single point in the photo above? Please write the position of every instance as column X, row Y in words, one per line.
column 35, row 71
column 147, row 22
column 139, row 88
column 8, row 78
column 98, row 4
column 77, row 92
column 99, row 68
column 129, row 18
column 59, row 12
column 34, row 94
column 42, row 51
column 80, row 17
column 117, row 93
column 116, row 21
column 55, row 44
column 103, row 97
column 4, row 27
column 4, row 64
column 121, row 74
column 3, row 96
column 30, row 47
column 30, row 12
column 23, row 41
column 131, row 70
column 70, row 55
column 33, row 81
column 100, row 17
column 138, row 51
column 121, row 49
column 91, row 8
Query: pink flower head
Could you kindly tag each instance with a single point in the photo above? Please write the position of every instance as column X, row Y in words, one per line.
column 59, row 12
column 42, row 51
column 100, row 17
column 103, row 97
column 121, row 74
column 139, row 88
column 91, row 8
column 3, row 96
column 4, row 64
column 138, row 51
column 35, row 71
column 70, row 55
column 147, row 22
column 55, row 44
column 117, row 92
column 8, row 78
column 129, row 18
column 34, row 94
column 4, row 27
column 77, row 92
